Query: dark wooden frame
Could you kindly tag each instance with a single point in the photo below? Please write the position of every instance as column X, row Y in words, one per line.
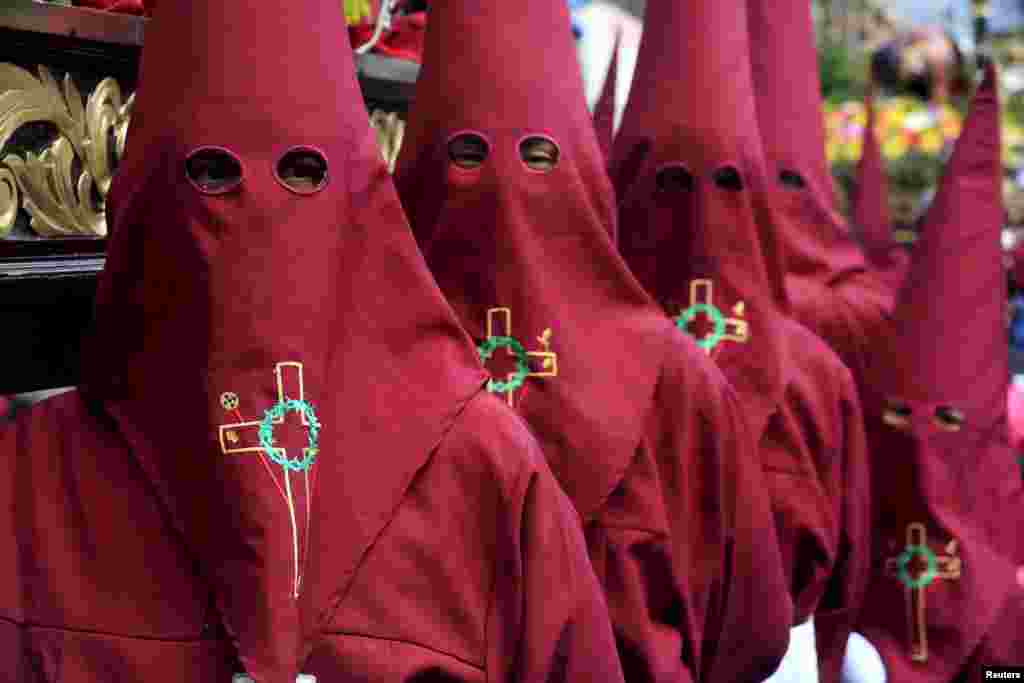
column 47, row 285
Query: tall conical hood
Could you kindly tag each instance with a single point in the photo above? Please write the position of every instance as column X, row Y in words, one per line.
column 785, row 65
column 953, row 302
column 871, row 202
column 946, row 484
column 604, row 110
column 264, row 310
column 689, row 169
column 871, row 208
column 520, row 245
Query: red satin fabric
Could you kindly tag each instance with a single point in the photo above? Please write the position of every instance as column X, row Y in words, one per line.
column 403, row 41
column 138, row 7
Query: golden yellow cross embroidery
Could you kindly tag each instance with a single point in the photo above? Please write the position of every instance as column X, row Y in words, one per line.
column 916, row 579
column 289, row 376
column 724, row 328
column 256, row 436
column 499, row 334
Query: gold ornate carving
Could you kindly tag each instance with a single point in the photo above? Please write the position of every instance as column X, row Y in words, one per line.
column 390, row 129
column 59, row 200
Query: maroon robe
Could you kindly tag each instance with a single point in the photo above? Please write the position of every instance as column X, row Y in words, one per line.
column 945, row 598
column 833, row 289
column 262, row 440
column 640, row 429
column 871, row 209
column 697, row 227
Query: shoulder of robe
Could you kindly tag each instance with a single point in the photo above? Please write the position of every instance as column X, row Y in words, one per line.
column 690, row 381
column 82, row 507
column 823, row 394
column 64, row 420
column 492, row 439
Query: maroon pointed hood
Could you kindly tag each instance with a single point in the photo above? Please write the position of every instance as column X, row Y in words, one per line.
column 687, row 164
column 254, row 335
column 958, row 261
column 871, row 207
column 785, row 65
column 955, row 477
column 526, row 253
column 604, row 110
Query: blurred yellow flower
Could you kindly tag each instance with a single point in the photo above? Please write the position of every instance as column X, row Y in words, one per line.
column 931, row 141
column 894, row 147
column 356, row 11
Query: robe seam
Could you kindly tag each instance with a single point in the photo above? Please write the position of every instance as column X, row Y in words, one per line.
column 337, row 597
column 404, row 641
column 643, row 530
column 66, row 629
column 668, row 345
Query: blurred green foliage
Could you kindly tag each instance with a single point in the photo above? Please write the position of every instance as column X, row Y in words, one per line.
column 843, row 72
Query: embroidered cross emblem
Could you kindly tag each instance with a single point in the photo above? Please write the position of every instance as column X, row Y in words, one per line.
column 723, row 327
column 917, row 567
column 257, row 436
column 499, row 335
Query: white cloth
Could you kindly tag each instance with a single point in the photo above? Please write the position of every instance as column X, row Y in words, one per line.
column 600, row 21
column 301, row 678
column 862, row 663
column 800, row 665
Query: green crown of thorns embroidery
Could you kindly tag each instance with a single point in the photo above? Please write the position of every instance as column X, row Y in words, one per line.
column 927, row 576
column 266, row 433
column 717, row 334
column 487, row 348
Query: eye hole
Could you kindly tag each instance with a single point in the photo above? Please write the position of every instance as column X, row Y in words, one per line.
column 948, row 419
column 791, row 179
column 540, row 154
column 467, row 151
column 674, row 179
column 302, row 170
column 728, row 178
column 896, row 414
column 213, row 170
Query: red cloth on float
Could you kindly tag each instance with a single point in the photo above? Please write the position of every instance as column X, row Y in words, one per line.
column 953, row 498
column 122, row 6
column 697, row 229
column 641, row 430
column 832, row 287
column 240, row 328
column 403, row 41
column 871, row 209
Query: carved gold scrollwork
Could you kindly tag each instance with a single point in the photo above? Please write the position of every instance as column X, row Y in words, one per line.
column 59, row 200
column 390, row 130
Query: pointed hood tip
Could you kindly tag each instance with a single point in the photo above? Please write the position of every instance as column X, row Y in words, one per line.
column 958, row 261
column 604, row 110
column 990, row 73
